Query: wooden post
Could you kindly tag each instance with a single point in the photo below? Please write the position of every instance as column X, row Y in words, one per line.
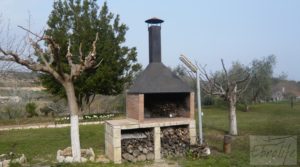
column 227, row 144
column 292, row 102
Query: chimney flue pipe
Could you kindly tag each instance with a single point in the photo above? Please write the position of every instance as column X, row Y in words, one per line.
column 154, row 29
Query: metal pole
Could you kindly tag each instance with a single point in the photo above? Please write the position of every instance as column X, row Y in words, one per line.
column 192, row 67
column 199, row 108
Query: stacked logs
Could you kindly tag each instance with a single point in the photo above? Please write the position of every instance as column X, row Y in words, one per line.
column 175, row 141
column 166, row 110
column 138, row 149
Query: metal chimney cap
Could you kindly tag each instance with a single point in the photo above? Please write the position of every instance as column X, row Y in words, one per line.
column 154, row 20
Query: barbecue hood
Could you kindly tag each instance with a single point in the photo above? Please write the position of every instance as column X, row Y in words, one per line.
column 157, row 78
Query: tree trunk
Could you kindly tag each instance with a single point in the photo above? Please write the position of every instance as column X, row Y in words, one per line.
column 232, row 118
column 247, row 108
column 232, row 112
column 73, row 108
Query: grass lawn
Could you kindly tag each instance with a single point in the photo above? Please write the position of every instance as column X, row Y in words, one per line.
column 263, row 119
column 40, row 145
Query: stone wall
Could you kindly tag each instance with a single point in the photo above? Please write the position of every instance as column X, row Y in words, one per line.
column 6, row 159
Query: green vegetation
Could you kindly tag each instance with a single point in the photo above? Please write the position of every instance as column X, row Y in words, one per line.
column 79, row 21
column 9, row 111
column 260, row 85
column 40, row 145
column 31, row 109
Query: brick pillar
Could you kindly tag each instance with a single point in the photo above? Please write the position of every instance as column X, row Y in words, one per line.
column 141, row 107
column 157, row 145
column 135, row 106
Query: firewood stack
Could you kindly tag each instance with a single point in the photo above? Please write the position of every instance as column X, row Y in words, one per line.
column 175, row 141
column 166, row 110
column 138, row 149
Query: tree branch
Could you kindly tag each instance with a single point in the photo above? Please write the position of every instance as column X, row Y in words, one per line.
column 226, row 74
column 27, row 30
column 244, row 79
column 212, row 86
column 248, row 79
column 69, row 55
column 53, row 54
column 88, row 62
column 52, row 45
column 12, row 56
column 81, row 54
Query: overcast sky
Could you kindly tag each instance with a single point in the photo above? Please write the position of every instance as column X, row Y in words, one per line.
column 205, row 31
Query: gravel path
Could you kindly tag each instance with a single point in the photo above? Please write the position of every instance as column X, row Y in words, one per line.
column 43, row 125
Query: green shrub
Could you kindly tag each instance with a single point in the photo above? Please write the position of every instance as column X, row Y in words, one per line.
column 45, row 110
column 31, row 109
column 11, row 111
column 208, row 100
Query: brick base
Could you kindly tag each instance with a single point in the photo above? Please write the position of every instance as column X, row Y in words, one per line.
column 113, row 134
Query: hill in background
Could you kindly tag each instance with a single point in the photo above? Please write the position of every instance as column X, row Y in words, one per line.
column 19, row 79
column 25, row 87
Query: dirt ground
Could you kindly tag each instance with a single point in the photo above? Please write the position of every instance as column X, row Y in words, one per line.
column 164, row 163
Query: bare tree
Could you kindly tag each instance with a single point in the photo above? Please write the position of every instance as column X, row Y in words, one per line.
column 4, row 66
column 48, row 60
column 229, row 85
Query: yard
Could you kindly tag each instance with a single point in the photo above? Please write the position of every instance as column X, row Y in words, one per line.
column 40, row 145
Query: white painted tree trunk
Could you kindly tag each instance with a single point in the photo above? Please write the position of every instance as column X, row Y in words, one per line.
column 73, row 107
column 232, row 119
column 232, row 112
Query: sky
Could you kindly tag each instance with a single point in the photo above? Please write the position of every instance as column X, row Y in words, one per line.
column 205, row 31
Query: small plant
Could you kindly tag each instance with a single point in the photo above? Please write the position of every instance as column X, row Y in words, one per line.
column 31, row 109
column 58, row 107
column 98, row 117
column 88, row 118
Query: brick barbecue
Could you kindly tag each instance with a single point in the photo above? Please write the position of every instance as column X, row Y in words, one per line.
column 157, row 99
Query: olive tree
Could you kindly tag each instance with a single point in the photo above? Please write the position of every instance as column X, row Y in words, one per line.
column 49, row 60
column 229, row 85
